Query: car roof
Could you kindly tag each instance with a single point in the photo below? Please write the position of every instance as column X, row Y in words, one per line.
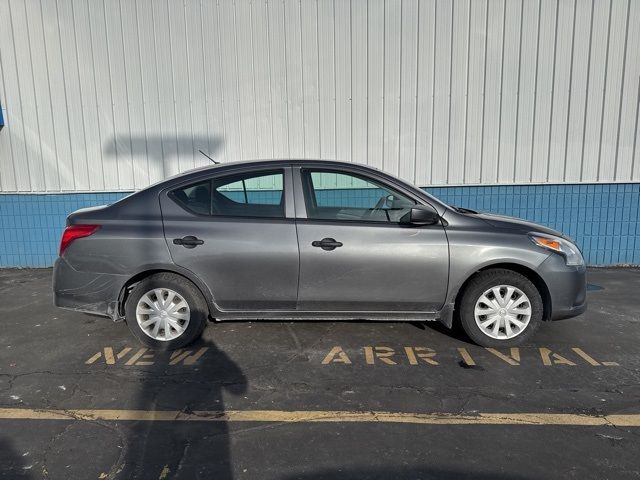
column 276, row 161
column 252, row 164
column 256, row 164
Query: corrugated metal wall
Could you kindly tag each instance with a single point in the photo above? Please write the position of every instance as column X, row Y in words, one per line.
column 112, row 95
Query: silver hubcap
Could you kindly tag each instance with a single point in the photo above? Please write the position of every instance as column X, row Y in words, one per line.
column 163, row 314
column 503, row 312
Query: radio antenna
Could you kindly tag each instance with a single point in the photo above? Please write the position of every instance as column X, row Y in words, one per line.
column 208, row 157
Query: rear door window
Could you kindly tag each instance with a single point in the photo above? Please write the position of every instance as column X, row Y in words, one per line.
column 252, row 194
column 255, row 194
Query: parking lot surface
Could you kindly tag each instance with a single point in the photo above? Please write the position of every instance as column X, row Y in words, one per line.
column 79, row 398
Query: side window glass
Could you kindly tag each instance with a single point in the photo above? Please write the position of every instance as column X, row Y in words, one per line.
column 342, row 196
column 249, row 195
column 255, row 194
column 195, row 198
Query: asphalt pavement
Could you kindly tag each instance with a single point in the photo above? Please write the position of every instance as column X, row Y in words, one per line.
column 79, row 398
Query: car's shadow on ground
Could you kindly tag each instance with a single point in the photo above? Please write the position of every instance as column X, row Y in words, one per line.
column 454, row 333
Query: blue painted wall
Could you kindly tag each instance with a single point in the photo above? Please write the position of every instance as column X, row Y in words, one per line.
column 602, row 218
column 31, row 225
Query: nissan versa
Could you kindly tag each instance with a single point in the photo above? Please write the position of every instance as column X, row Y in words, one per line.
column 311, row 240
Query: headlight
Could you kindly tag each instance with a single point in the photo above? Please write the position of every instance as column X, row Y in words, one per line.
column 570, row 252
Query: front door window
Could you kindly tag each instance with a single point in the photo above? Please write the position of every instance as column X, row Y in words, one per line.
column 331, row 195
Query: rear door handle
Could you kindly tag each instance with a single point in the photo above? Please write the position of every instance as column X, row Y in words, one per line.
column 188, row 242
column 326, row 244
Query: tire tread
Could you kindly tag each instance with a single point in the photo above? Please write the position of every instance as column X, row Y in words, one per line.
column 482, row 281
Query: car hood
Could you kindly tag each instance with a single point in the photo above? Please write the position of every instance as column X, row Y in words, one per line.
column 502, row 221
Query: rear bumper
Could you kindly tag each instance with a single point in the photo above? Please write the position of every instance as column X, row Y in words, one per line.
column 87, row 292
column 567, row 287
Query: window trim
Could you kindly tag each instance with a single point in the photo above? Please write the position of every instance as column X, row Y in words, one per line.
column 284, row 171
column 308, row 188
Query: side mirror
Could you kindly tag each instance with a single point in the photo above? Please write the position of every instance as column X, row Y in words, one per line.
column 420, row 215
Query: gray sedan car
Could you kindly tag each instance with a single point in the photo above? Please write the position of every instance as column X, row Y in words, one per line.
column 311, row 240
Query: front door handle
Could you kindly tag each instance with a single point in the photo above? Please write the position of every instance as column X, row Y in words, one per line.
column 188, row 242
column 326, row 244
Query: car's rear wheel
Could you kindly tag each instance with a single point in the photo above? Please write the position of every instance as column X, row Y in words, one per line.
column 500, row 307
column 166, row 311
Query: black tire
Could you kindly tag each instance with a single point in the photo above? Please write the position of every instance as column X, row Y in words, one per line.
column 482, row 282
column 199, row 312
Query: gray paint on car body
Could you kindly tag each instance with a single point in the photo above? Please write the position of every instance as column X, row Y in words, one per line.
column 250, row 268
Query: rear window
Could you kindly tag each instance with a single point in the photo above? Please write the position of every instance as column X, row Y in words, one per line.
column 253, row 194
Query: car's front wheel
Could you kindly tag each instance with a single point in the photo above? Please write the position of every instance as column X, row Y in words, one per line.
column 500, row 307
column 166, row 311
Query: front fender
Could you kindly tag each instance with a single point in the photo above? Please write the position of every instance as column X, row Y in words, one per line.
column 471, row 252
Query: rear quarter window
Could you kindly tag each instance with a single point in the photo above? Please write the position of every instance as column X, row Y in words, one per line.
column 196, row 198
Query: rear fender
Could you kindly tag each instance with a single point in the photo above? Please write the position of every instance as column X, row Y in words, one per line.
column 150, row 269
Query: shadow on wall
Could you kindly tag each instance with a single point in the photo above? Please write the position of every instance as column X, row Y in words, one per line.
column 162, row 149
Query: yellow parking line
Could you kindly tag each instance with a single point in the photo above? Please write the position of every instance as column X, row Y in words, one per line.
column 320, row 416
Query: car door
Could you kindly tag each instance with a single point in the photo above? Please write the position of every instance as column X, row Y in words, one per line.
column 354, row 253
column 237, row 232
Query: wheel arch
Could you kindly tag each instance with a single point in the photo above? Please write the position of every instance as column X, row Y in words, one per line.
column 523, row 270
column 151, row 270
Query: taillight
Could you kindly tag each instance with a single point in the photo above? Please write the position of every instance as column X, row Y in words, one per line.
column 73, row 232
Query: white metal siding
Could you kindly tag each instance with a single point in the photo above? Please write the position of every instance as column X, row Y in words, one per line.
column 103, row 95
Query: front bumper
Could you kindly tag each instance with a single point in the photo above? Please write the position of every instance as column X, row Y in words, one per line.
column 567, row 287
column 88, row 292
